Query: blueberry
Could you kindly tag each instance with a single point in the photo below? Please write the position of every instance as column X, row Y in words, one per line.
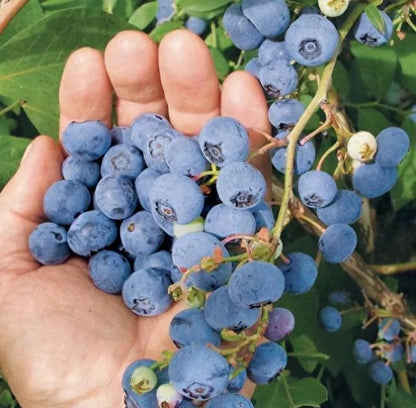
column 270, row 17
column 190, row 327
column 91, row 232
column 48, row 244
column 140, row 234
column 183, row 156
column 270, row 51
column 278, row 78
column 254, row 67
column 255, row 284
column 143, row 183
column 198, row 372
column 362, row 351
column 221, row 313
column 122, row 160
column 367, row 34
column 145, row 292
column 236, row 382
column 316, row 189
column 116, row 197
column 284, row 114
column 345, row 209
column 241, row 31
column 300, row 274
column 304, row 159
column 393, row 352
column 392, row 145
column 389, row 329
column 160, row 260
column 330, row 319
column 121, row 134
column 337, row 243
column 86, row 140
column 155, row 147
column 176, row 198
column 108, row 270
column 268, row 361
column 223, row 221
column 240, row 185
column 224, row 140
column 147, row 125
column 196, row 25
column 85, row 172
column 188, row 251
column 263, row 215
column 311, row 40
column 380, row 372
column 372, row 180
column 281, row 323
column 165, row 10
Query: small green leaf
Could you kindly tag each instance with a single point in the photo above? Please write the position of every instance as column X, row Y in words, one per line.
column 400, row 399
column 6, row 398
column 305, row 346
column 220, row 62
column 144, row 15
column 57, row 5
column 11, row 152
column 203, row 9
column 161, row 30
column 376, row 18
column 372, row 121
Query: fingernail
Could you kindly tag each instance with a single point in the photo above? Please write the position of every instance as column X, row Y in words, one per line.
column 26, row 153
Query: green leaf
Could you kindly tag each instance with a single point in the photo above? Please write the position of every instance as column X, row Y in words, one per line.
column 400, row 399
column 6, row 398
column 220, row 62
column 223, row 41
column 203, row 9
column 407, row 61
column 31, row 12
column 376, row 66
column 122, row 8
column 404, row 191
column 304, row 345
column 32, row 60
column 290, row 392
column 161, row 30
column 341, row 80
column 376, row 18
column 11, row 152
column 144, row 15
column 57, row 5
column 372, row 120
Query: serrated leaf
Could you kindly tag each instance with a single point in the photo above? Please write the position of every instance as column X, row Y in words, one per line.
column 404, row 191
column 220, row 62
column 161, row 30
column 376, row 68
column 376, row 18
column 307, row 392
column 32, row 60
column 11, row 152
column 32, row 11
column 144, row 15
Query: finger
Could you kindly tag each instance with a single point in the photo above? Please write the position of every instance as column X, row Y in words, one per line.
column 243, row 99
column 85, row 92
column 21, row 201
column 189, row 81
column 131, row 60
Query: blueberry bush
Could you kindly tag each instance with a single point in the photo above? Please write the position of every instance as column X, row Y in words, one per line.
column 340, row 80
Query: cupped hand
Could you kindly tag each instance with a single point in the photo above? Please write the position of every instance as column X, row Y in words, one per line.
column 64, row 343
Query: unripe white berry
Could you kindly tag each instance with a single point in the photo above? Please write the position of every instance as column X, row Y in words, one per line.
column 167, row 396
column 362, row 146
column 143, row 380
column 333, row 8
column 356, row 164
column 197, row 225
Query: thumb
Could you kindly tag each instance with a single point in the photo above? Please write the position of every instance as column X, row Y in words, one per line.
column 21, row 201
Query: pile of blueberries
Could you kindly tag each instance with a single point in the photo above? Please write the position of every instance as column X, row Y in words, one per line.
column 146, row 205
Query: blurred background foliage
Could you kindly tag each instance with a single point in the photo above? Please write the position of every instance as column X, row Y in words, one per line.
column 376, row 88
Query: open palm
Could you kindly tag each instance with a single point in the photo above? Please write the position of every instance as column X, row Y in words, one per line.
column 64, row 343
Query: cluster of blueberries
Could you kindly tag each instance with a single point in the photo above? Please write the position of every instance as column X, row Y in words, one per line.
column 386, row 351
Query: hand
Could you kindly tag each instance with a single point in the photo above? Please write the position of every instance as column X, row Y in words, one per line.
column 63, row 342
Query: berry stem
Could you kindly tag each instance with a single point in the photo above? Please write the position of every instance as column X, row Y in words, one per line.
column 288, row 394
column 320, row 96
column 395, row 268
column 332, row 149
